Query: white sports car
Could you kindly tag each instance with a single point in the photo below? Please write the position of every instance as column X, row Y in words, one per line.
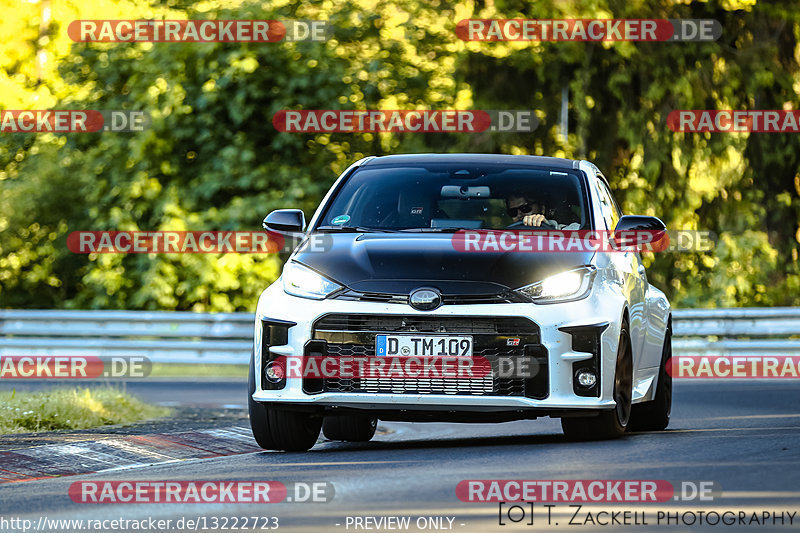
column 430, row 256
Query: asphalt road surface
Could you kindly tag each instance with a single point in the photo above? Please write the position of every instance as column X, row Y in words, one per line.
column 745, row 436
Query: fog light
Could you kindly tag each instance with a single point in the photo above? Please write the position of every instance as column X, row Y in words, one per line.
column 586, row 378
column 273, row 372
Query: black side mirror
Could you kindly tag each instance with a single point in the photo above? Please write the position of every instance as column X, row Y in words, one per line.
column 637, row 230
column 285, row 220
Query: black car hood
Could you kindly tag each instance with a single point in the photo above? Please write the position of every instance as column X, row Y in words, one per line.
column 398, row 263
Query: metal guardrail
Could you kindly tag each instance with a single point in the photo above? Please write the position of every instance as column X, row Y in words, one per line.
column 755, row 331
column 181, row 337
column 162, row 336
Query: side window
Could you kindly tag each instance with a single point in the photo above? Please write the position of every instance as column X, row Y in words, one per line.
column 608, row 207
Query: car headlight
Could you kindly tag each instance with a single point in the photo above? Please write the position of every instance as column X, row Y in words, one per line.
column 561, row 287
column 299, row 280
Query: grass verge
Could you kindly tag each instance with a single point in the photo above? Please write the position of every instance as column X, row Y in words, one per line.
column 181, row 370
column 71, row 408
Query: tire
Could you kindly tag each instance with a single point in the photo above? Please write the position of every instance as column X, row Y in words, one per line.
column 610, row 423
column 654, row 415
column 351, row 428
column 276, row 429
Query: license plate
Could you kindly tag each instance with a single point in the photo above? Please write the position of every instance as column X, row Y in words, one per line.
column 423, row 345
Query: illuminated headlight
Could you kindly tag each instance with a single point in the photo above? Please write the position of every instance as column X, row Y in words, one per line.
column 299, row 280
column 561, row 287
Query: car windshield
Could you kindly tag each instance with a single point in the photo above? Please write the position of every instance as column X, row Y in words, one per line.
column 448, row 197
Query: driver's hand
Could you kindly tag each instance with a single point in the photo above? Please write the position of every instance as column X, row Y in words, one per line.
column 533, row 220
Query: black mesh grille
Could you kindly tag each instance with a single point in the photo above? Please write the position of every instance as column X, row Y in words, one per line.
column 354, row 336
column 488, row 385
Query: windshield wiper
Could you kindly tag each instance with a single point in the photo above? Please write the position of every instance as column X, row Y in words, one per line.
column 354, row 229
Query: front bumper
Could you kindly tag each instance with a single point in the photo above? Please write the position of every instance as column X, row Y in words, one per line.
column 603, row 306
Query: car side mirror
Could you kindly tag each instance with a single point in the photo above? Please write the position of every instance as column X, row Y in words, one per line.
column 285, row 220
column 638, row 230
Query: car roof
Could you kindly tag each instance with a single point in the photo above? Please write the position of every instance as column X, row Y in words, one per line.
column 406, row 159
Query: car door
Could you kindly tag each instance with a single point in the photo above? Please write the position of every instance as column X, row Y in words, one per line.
column 629, row 265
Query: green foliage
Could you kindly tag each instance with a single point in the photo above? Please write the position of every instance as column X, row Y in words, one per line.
column 71, row 408
column 200, row 371
column 212, row 159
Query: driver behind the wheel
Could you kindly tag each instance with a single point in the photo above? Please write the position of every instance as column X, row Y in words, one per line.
column 530, row 213
column 520, row 208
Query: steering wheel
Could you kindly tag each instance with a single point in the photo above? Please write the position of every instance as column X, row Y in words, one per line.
column 521, row 224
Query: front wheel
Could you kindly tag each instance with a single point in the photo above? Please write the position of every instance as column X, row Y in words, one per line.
column 276, row 429
column 654, row 415
column 610, row 423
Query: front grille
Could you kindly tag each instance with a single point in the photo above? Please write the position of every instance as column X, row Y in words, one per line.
column 509, row 297
column 471, row 325
column 354, row 336
column 488, row 385
column 455, row 299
